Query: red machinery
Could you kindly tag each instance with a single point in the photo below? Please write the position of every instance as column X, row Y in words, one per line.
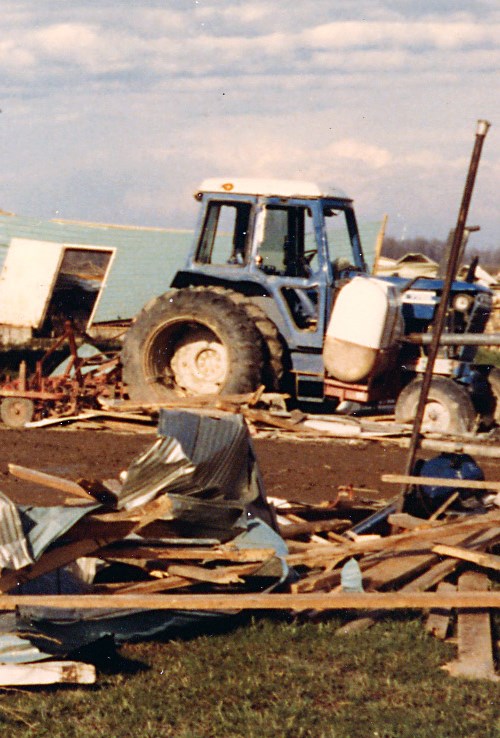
column 83, row 380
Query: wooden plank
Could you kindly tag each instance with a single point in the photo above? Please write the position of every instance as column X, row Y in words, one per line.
column 298, row 602
column 392, row 570
column 220, row 575
column 488, row 561
column 315, row 555
column 410, row 522
column 475, row 657
column 46, row 672
column 267, row 418
column 425, row 581
column 322, row 581
column 438, row 621
column 49, row 480
column 431, row 577
column 149, row 586
column 438, row 481
column 292, row 519
column 451, row 499
column 318, row 526
column 156, row 553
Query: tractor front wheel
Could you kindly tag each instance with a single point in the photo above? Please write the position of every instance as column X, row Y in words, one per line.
column 448, row 409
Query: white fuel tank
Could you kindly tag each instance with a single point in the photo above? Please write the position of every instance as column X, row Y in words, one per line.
column 364, row 330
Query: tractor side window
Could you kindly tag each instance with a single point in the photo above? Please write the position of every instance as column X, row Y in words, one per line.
column 288, row 243
column 225, row 234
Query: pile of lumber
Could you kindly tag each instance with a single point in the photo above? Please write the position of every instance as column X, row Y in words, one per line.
column 439, row 565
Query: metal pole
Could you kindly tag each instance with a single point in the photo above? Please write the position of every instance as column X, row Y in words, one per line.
column 440, row 317
column 455, row 339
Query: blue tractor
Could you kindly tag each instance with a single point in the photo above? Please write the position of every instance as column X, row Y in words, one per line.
column 265, row 298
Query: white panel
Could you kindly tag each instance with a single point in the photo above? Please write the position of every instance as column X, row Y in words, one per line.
column 26, row 281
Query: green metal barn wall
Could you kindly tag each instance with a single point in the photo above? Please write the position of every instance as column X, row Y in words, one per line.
column 145, row 260
column 144, row 264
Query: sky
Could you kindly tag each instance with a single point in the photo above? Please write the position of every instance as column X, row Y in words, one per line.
column 114, row 111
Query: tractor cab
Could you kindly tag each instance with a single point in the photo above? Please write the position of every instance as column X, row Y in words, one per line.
column 275, row 241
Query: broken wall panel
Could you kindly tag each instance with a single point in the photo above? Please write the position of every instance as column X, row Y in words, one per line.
column 145, row 257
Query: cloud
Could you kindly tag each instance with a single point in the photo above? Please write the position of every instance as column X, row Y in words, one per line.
column 360, row 151
column 249, row 39
column 115, row 110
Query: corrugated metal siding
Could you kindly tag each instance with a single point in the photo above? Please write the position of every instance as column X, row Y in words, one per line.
column 144, row 264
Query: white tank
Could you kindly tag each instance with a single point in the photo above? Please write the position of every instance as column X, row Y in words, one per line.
column 364, row 330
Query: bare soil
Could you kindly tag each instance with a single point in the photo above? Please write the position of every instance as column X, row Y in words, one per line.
column 295, row 469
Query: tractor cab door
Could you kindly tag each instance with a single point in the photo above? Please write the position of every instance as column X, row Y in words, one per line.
column 288, row 250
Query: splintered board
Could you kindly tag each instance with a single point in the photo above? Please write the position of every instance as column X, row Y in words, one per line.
column 47, row 672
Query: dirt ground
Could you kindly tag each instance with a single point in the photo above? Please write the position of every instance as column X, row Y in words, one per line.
column 295, row 469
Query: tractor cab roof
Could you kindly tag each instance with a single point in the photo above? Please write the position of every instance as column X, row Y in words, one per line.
column 269, row 188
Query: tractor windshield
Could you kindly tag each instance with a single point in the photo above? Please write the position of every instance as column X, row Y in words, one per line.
column 288, row 245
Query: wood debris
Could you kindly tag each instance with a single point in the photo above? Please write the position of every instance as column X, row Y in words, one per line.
column 47, row 672
column 146, row 562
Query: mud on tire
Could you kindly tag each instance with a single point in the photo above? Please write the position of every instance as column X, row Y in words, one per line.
column 191, row 341
column 272, row 345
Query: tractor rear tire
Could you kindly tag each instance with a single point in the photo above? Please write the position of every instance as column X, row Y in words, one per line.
column 449, row 408
column 188, row 342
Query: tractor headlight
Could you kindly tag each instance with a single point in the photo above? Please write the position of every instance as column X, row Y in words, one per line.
column 462, row 303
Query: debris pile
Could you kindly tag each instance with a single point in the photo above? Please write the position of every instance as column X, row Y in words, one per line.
column 188, row 533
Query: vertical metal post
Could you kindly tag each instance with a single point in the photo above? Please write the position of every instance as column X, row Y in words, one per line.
column 440, row 317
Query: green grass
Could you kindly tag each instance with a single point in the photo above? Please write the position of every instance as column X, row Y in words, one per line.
column 267, row 679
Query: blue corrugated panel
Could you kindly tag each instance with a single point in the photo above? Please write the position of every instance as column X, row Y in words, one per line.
column 145, row 262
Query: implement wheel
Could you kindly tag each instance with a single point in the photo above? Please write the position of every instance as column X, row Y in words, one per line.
column 449, row 408
column 193, row 341
column 16, row 411
column 494, row 382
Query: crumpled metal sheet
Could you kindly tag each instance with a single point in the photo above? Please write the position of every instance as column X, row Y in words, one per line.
column 208, row 468
column 220, row 449
column 163, row 467
column 44, row 525
column 26, row 532
column 14, row 553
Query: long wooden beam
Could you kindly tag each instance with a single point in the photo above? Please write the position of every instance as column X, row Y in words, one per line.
column 489, row 561
column 440, row 482
column 51, row 481
column 236, row 602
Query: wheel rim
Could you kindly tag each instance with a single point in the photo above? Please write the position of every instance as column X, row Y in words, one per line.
column 16, row 411
column 437, row 417
column 200, row 363
column 189, row 357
